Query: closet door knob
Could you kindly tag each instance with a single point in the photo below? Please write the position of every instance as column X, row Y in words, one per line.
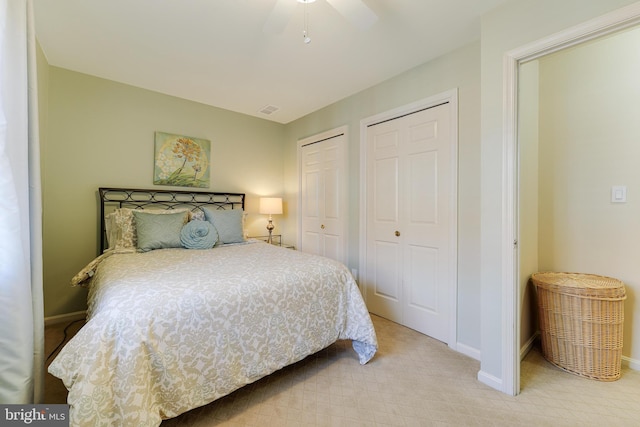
column 397, row 233
column 322, row 226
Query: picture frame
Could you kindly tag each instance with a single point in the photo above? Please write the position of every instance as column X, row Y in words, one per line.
column 181, row 161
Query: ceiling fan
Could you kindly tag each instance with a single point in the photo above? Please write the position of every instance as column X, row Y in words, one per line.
column 355, row 11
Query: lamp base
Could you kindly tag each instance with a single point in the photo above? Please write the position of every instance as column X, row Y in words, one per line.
column 270, row 228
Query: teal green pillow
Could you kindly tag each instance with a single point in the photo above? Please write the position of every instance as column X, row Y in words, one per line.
column 159, row 231
column 227, row 222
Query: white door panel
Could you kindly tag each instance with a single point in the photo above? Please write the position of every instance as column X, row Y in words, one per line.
column 386, row 279
column 385, row 179
column 422, row 286
column 311, row 243
column 408, row 181
column 421, row 273
column 423, row 187
column 331, row 245
column 323, row 195
column 311, row 203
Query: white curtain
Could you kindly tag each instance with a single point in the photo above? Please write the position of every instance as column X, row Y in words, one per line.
column 21, row 305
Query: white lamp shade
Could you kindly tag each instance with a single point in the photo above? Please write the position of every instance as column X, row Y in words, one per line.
column 271, row 205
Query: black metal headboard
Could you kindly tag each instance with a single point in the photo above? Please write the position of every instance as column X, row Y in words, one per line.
column 113, row 198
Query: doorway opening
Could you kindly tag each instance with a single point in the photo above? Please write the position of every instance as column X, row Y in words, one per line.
column 522, row 162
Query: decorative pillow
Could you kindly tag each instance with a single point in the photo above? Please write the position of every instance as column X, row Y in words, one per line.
column 111, row 230
column 159, row 231
column 198, row 235
column 228, row 223
column 197, row 215
column 125, row 230
column 83, row 277
column 121, row 227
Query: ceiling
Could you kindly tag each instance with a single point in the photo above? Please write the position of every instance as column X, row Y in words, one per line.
column 217, row 52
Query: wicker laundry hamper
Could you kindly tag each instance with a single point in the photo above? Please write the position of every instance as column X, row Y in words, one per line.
column 581, row 320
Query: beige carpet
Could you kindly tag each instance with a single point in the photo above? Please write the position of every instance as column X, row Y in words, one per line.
column 412, row 381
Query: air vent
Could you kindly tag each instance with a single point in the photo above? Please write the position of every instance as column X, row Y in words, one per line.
column 269, row 109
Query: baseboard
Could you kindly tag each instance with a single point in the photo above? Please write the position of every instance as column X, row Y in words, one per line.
column 490, row 380
column 65, row 318
column 526, row 348
column 631, row 363
column 474, row 353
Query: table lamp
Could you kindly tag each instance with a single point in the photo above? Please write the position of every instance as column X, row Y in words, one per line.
column 270, row 206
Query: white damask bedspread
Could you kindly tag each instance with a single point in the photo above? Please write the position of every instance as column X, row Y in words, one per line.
column 173, row 329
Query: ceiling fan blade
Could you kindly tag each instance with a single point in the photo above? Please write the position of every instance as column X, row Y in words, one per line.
column 356, row 12
column 279, row 17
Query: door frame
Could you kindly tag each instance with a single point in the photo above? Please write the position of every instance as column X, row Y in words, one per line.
column 451, row 98
column 344, row 197
column 589, row 30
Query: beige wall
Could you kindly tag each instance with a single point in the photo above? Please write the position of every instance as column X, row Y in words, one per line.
column 100, row 133
column 589, row 130
column 459, row 69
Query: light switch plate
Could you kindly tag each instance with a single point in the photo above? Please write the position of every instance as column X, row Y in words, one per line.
column 619, row 194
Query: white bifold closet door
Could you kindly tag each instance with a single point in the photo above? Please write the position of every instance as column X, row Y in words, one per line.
column 408, row 200
column 323, row 195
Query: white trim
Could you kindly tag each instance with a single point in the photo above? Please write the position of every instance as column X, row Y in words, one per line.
column 474, row 353
column 344, row 197
column 526, row 348
column 510, row 293
column 605, row 24
column 490, row 380
column 450, row 97
column 631, row 363
column 613, row 21
column 65, row 318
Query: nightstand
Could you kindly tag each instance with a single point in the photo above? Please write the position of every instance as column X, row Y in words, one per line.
column 276, row 239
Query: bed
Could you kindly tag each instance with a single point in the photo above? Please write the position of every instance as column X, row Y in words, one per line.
column 171, row 329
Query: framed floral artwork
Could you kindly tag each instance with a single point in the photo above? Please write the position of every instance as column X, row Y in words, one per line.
column 181, row 160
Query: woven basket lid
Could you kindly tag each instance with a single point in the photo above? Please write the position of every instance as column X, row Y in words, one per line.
column 586, row 285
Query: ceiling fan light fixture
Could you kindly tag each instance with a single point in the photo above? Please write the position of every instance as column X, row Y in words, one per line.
column 306, row 1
